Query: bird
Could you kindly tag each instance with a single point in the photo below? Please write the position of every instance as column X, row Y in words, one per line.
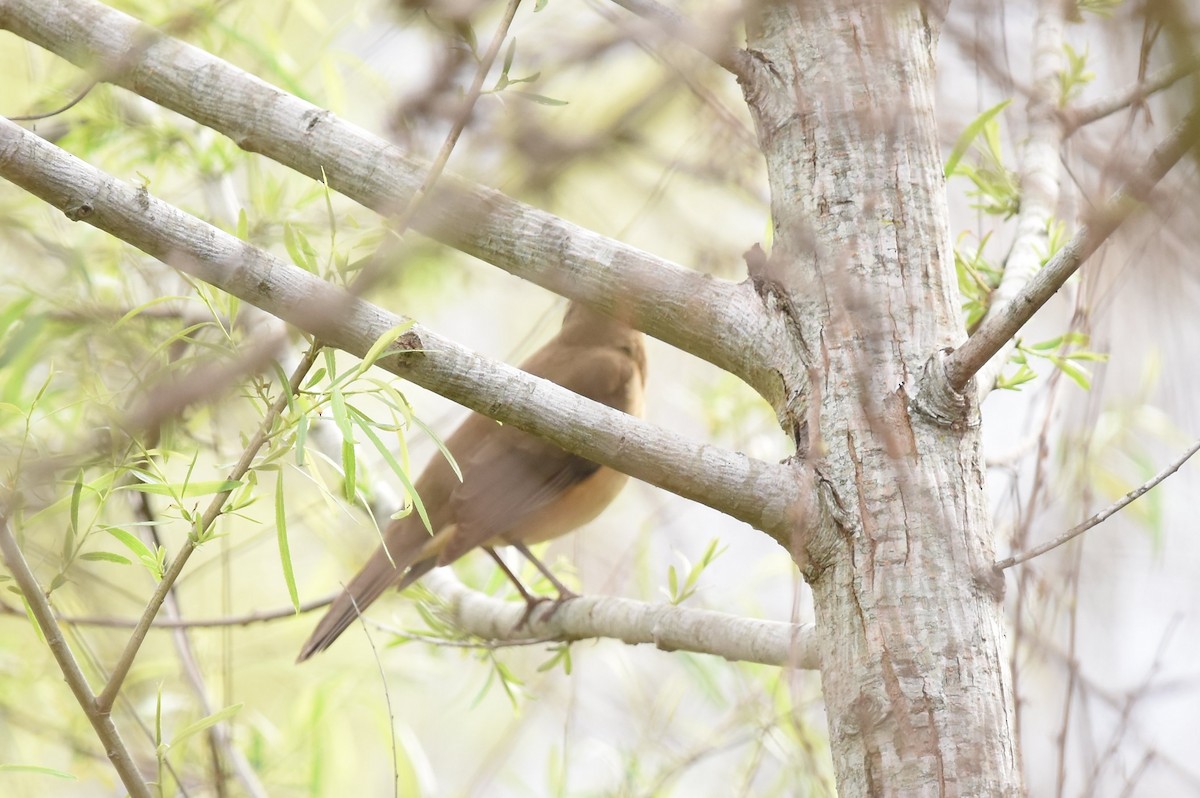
column 516, row 489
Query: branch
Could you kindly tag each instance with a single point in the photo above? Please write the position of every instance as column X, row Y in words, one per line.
column 1075, row 118
column 993, row 334
column 1039, row 180
column 708, row 42
column 185, row 623
column 764, row 495
column 1101, row 516
column 667, row 626
column 100, row 719
column 717, row 320
column 202, row 527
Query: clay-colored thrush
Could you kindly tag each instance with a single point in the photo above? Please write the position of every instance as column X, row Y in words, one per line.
column 516, row 489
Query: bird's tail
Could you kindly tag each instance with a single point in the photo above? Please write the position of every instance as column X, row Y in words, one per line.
column 405, row 542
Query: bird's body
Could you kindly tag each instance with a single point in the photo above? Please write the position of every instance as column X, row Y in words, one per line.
column 515, row 488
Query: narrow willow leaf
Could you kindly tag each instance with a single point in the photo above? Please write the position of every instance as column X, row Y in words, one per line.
column 105, row 556
column 365, row 425
column 58, row 774
column 285, row 552
column 189, row 490
column 205, row 723
column 969, row 134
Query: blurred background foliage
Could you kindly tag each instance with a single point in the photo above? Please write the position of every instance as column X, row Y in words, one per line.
column 617, row 139
column 636, row 139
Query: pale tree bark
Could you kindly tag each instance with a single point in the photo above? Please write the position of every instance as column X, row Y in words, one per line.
column 859, row 282
column 839, row 327
column 910, row 618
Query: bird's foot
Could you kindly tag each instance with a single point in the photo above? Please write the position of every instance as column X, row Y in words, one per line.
column 533, row 602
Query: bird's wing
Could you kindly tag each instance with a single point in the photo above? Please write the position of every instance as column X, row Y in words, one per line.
column 512, row 475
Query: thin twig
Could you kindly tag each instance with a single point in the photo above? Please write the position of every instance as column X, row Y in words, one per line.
column 1101, row 516
column 403, row 220
column 78, row 98
column 121, row 670
column 181, row 623
column 1073, row 119
column 678, row 27
column 387, row 695
column 99, row 717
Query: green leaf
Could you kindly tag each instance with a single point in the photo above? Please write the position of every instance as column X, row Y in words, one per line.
column 105, row 556
column 330, row 216
column 365, row 425
column 205, row 723
column 1053, row 343
column 316, row 377
column 1077, row 374
column 58, row 774
column 299, row 250
column 285, row 552
column 301, row 438
column 378, row 349
column 562, row 653
column 152, row 560
column 540, row 99
column 437, row 441
column 1011, row 383
column 969, row 135
column 131, row 542
column 184, row 491
column 341, row 417
column 509, row 54
column 73, row 527
column 349, row 470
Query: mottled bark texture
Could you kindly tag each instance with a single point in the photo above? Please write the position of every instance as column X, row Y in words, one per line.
column 911, row 633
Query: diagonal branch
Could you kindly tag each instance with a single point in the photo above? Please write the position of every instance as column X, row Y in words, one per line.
column 704, row 40
column 100, row 719
column 768, row 496
column 993, row 334
column 1075, row 118
column 1103, row 515
column 717, row 320
column 1038, row 179
column 203, row 528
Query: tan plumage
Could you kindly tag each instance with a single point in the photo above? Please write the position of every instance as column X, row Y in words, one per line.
column 516, row 488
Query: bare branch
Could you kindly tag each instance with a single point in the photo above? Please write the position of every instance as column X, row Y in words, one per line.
column 667, row 626
column 247, row 619
column 100, row 719
column 765, row 495
column 704, row 41
column 1101, row 516
column 1133, row 95
column 717, row 320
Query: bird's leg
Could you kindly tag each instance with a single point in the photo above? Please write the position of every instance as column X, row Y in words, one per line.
column 531, row 600
column 564, row 592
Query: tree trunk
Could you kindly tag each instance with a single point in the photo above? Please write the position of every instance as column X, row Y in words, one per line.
column 900, row 556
